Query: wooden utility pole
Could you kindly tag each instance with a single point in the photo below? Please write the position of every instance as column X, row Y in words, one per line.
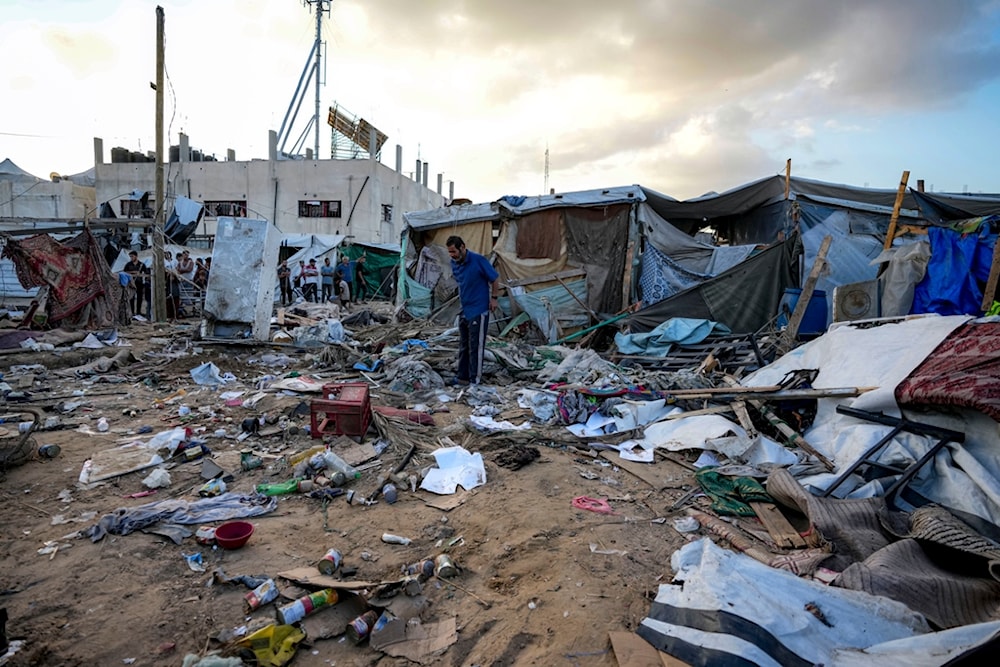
column 788, row 177
column 158, row 291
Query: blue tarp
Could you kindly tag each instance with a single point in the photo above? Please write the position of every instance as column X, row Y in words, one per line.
column 676, row 330
column 959, row 262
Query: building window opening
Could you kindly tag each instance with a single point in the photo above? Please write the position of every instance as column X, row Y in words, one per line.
column 232, row 209
column 315, row 208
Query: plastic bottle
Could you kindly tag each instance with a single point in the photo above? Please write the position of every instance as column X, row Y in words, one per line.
column 302, row 456
column 389, row 538
column 335, row 463
column 279, row 489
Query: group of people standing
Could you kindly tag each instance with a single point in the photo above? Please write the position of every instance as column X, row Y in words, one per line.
column 176, row 271
column 341, row 284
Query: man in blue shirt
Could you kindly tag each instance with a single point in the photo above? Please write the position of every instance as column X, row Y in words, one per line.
column 346, row 267
column 477, row 291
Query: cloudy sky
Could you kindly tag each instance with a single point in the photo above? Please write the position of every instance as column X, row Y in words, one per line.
column 681, row 96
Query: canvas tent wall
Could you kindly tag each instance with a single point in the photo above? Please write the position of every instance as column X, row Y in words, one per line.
column 379, row 268
column 581, row 237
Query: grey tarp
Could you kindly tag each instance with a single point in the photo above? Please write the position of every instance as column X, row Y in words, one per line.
column 744, row 298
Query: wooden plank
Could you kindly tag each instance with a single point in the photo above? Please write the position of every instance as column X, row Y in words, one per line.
column 890, row 235
column 778, row 527
column 788, row 177
column 281, row 317
column 989, row 294
column 568, row 273
column 740, row 409
column 788, row 337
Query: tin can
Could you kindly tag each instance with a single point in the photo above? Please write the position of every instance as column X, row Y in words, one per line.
column 389, row 493
column 49, row 451
column 359, row 629
column 24, row 427
column 330, row 562
column 444, row 567
column 261, row 595
column 296, row 611
column 424, row 568
column 305, row 485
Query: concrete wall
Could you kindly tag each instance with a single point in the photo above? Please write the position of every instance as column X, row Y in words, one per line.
column 272, row 190
column 45, row 199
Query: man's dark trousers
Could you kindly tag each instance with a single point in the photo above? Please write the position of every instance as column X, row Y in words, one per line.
column 471, row 346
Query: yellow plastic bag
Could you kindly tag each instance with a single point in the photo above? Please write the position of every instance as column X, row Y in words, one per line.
column 274, row 645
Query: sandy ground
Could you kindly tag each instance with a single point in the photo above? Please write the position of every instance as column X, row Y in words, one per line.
column 540, row 582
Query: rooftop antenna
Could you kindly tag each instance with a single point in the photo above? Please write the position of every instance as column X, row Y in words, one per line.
column 312, row 72
column 546, row 189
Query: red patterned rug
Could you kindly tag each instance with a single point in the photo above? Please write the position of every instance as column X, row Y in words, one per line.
column 964, row 371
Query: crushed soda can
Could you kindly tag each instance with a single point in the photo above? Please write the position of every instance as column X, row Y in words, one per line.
column 266, row 592
column 49, row 451
column 330, row 562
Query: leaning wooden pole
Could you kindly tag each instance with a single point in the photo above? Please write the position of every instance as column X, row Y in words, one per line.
column 158, row 291
column 890, row 235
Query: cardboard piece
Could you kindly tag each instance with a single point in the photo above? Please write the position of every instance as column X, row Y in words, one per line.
column 312, row 577
column 333, row 621
column 414, row 640
column 448, row 503
column 631, row 650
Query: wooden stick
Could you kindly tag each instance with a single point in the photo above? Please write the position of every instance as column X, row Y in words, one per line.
column 464, row 590
column 787, row 339
column 578, row 299
column 890, row 235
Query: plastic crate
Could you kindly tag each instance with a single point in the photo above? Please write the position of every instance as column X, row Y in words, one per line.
column 352, row 393
column 345, row 409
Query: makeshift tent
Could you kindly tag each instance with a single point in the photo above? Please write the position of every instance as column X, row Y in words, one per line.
column 572, row 245
column 379, row 268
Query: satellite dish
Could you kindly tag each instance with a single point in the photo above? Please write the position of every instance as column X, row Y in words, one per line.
column 55, row 177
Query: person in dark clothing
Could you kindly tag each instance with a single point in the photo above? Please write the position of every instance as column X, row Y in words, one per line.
column 477, row 292
column 140, row 278
column 285, row 283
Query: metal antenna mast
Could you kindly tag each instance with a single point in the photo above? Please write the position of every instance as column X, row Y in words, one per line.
column 314, row 73
column 546, row 169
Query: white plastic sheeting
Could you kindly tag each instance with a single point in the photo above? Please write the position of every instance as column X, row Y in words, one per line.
column 963, row 477
column 728, row 603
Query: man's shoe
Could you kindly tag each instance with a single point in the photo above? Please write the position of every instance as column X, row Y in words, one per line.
column 456, row 382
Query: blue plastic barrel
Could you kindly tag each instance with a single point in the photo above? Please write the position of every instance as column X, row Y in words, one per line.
column 814, row 321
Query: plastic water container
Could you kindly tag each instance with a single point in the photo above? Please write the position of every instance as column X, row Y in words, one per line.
column 814, row 320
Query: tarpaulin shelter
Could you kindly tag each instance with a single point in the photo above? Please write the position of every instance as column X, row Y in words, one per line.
column 561, row 256
column 771, row 209
column 379, row 268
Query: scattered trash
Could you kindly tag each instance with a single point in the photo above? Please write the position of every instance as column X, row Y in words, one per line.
column 306, row 605
column 389, row 538
column 158, row 479
column 194, row 562
column 456, row 467
column 592, row 505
